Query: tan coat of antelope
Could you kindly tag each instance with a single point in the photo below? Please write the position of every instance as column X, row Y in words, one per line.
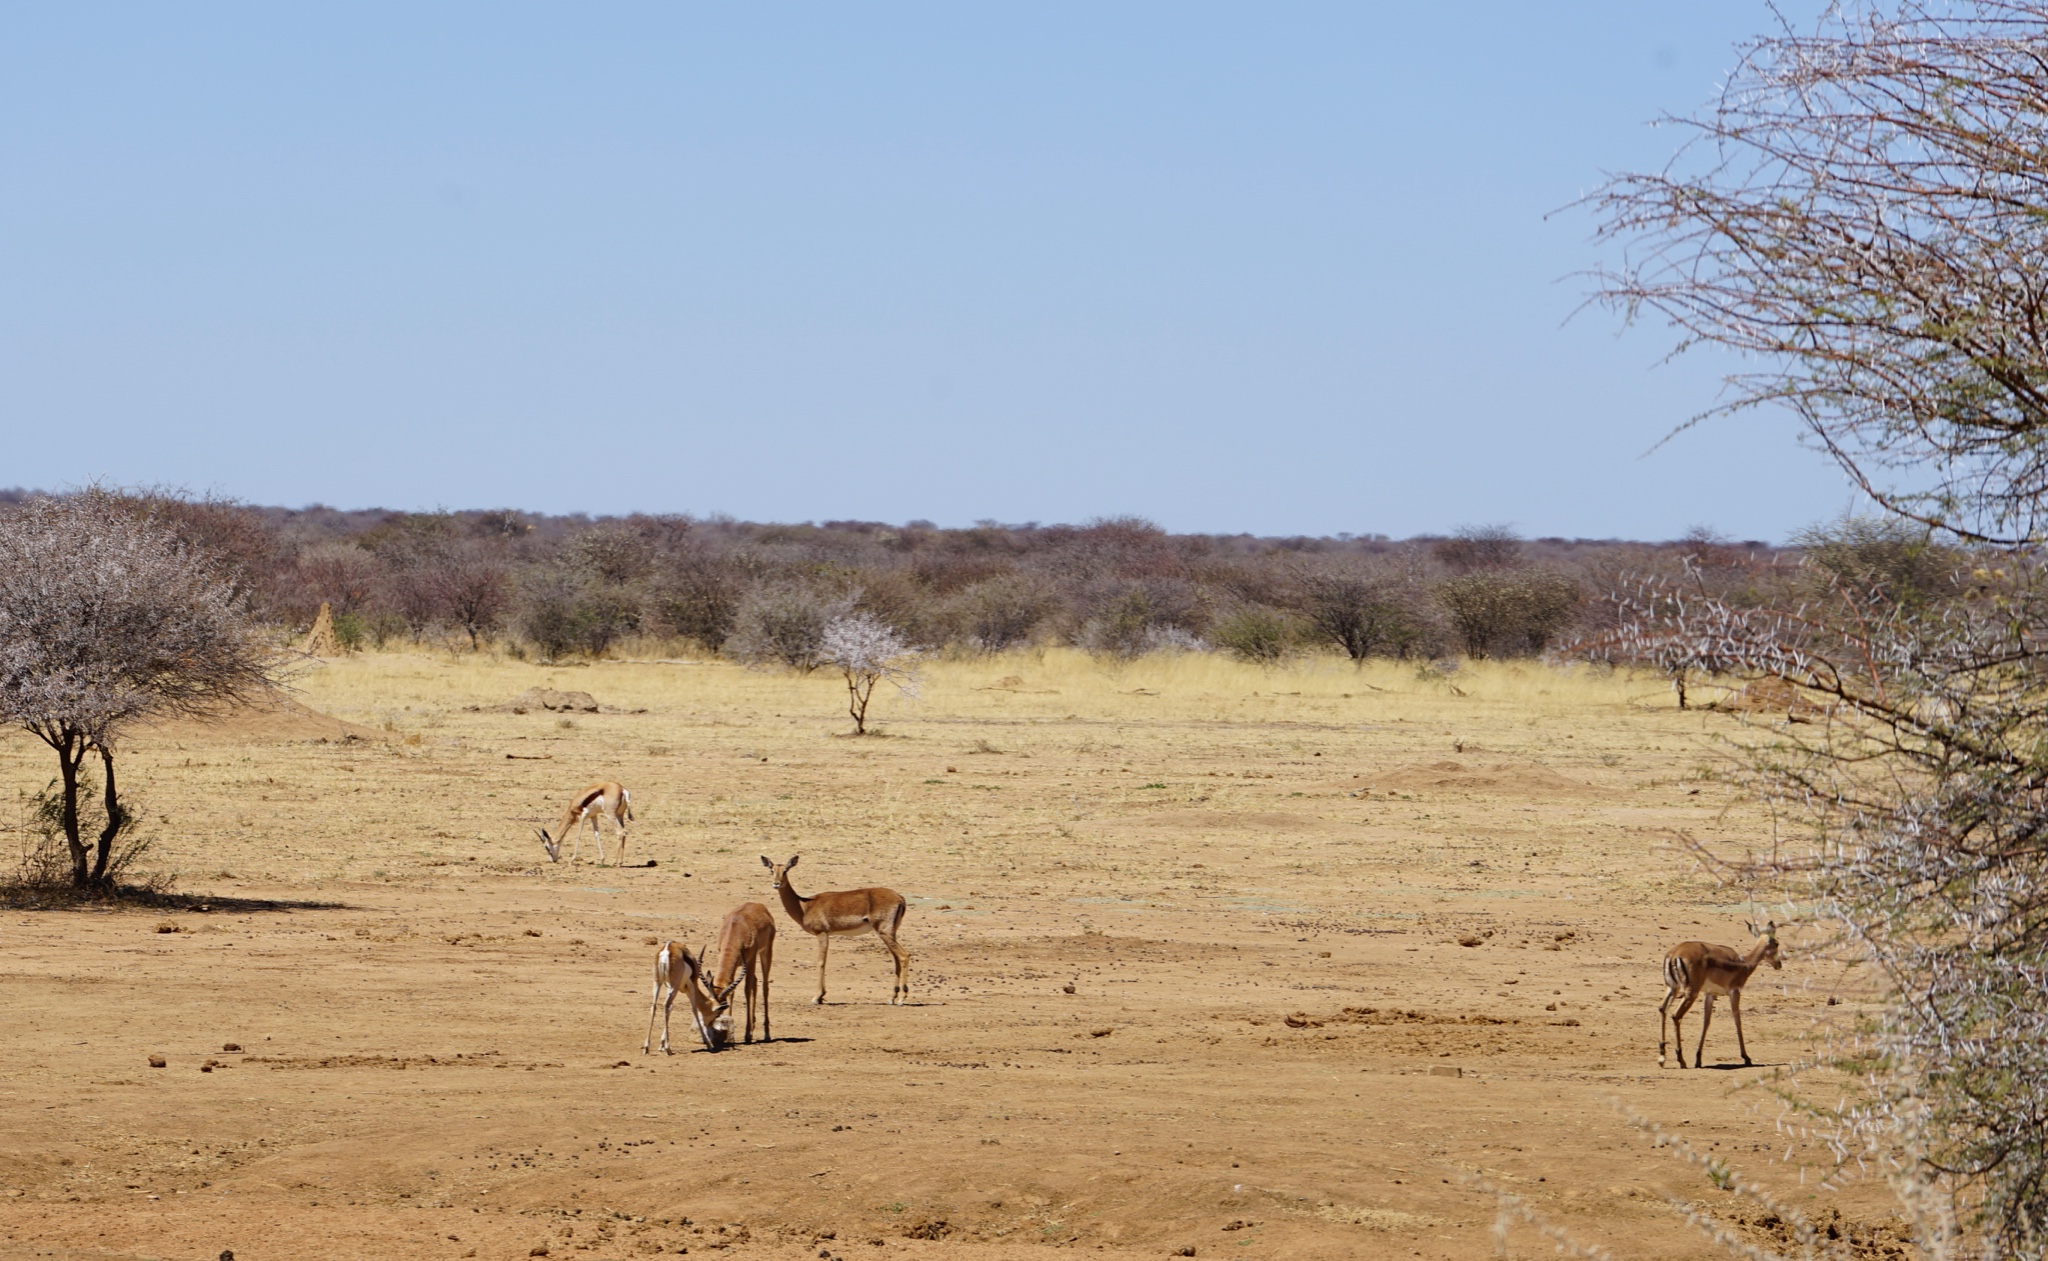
column 677, row 971
column 606, row 800
column 826, row 915
column 1696, row 967
column 746, row 950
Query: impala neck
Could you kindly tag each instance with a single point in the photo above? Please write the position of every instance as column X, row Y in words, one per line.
column 702, row 1006
column 791, row 902
column 1754, row 959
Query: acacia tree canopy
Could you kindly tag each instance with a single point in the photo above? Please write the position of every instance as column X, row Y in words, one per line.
column 107, row 619
column 1861, row 214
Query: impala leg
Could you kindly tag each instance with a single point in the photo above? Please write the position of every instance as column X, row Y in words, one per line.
column 753, row 984
column 1699, row 1055
column 1678, row 1031
column 622, row 842
column 653, row 1007
column 767, row 965
column 1663, row 1019
column 1735, row 1006
column 597, row 838
column 901, row 992
column 824, row 948
column 666, row 1011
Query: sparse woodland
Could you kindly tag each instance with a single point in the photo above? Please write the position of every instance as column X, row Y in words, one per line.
column 561, row 587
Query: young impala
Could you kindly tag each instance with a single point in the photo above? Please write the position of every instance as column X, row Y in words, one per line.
column 606, row 800
column 1697, row 967
column 677, row 971
column 825, row 915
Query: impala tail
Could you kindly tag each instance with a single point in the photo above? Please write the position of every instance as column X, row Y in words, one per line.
column 1675, row 976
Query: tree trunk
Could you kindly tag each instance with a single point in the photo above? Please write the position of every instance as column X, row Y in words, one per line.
column 70, row 753
column 1678, row 681
column 857, row 702
column 117, row 816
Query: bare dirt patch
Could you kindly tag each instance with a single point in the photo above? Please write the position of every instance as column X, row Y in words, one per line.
column 1172, row 986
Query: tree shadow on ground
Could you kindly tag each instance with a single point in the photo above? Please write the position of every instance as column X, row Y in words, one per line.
column 113, row 900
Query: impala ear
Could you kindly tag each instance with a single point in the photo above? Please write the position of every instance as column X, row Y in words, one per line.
column 767, row 862
column 791, row 862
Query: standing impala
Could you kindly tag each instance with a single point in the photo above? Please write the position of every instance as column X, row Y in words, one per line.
column 825, row 915
column 606, row 800
column 746, row 946
column 1696, row 967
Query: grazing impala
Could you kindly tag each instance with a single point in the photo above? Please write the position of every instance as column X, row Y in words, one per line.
column 607, row 800
column 825, row 915
column 1696, row 967
column 746, row 947
column 680, row 972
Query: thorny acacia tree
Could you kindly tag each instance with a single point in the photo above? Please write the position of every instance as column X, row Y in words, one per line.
column 1920, row 763
column 1864, row 214
column 866, row 650
column 108, row 619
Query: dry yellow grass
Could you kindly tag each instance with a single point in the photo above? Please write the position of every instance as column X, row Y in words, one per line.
column 431, row 1013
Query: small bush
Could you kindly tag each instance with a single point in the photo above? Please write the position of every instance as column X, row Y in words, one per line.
column 1506, row 613
column 1002, row 612
column 784, row 625
column 1256, row 634
column 562, row 612
column 1365, row 615
column 698, row 600
column 1880, row 559
column 44, row 866
column 351, row 632
column 1134, row 618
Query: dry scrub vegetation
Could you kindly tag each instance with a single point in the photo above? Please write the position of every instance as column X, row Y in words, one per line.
column 1186, row 971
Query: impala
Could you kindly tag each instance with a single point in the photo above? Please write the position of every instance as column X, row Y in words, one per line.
column 1697, row 967
column 826, row 915
column 680, row 972
column 746, row 948
column 606, row 800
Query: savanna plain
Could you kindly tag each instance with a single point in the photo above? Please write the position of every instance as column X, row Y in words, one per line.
column 1206, row 959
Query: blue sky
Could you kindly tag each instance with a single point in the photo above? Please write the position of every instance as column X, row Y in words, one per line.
column 1283, row 269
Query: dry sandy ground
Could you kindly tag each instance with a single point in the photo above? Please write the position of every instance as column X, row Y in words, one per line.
column 441, row 1033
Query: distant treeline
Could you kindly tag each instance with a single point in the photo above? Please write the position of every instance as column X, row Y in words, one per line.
column 559, row 586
